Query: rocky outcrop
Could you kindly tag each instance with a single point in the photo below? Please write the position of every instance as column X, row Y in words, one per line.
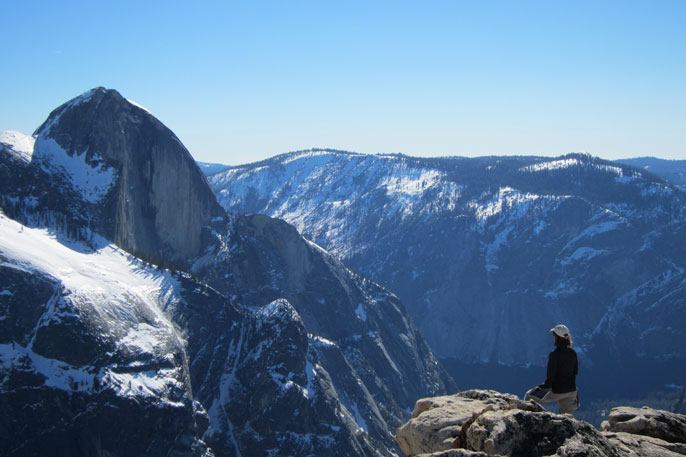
column 480, row 423
column 646, row 429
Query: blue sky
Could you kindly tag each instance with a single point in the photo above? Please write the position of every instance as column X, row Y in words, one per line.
column 243, row 81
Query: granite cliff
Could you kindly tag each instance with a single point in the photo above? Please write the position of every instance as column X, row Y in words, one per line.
column 151, row 198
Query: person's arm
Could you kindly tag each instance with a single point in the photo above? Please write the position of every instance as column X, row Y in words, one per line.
column 552, row 370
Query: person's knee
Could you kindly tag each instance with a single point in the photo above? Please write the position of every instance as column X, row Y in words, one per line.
column 530, row 397
column 568, row 405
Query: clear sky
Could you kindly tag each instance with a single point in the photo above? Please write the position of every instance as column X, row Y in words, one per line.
column 243, row 81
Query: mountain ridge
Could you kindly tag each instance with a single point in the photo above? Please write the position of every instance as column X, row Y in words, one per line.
column 488, row 253
column 673, row 170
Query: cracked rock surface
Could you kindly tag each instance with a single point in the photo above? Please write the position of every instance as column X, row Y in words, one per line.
column 486, row 422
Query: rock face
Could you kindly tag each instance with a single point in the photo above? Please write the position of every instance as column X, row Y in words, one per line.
column 368, row 323
column 479, row 423
column 257, row 342
column 152, row 199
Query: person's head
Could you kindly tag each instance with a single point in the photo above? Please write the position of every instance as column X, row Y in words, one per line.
column 562, row 336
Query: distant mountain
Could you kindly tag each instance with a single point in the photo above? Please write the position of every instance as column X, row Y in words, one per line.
column 489, row 253
column 138, row 318
column 673, row 171
column 212, row 168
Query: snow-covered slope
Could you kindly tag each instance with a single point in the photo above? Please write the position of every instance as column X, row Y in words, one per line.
column 104, row 333
column 86, row 326
column 256, row 342
column 128, row 316
column 488, row 253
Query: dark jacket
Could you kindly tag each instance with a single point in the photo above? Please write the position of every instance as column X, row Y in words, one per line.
column 563, row 367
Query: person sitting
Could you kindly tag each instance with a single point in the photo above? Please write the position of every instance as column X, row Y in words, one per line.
column 560, row 382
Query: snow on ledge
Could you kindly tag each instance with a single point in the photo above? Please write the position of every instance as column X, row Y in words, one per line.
column 138, row 105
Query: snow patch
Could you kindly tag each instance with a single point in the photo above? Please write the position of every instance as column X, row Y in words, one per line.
column 20, row 143
column 564, row 288
column 137, row 105
column 311, row 372
column 583, row 254
column 144, row 338
column 493, row 248
column 57, row 374
column 320, row 341
column 553, row 165
column 361, row 423
column 361, row 313
column 597, row 228
column 308, row 154
column 154, row 384
column 83, row 98
column 279, row 310
column 410, row 182
column 129, row 294
column 506, row 199
column 93, row 182
column 572, row 162
column 120, row 279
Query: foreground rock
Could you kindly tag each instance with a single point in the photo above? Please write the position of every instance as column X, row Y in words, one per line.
column 647, row 421
column 646, row 431
column 480, row 423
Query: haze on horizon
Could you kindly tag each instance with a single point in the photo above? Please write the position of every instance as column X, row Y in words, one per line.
column 240, row 82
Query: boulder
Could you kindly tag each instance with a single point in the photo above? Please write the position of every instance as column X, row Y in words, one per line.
column 455, row 453
column 436, row 423
column 526, row 433
column 670, row 427
column 631, row 445
column 485, row 422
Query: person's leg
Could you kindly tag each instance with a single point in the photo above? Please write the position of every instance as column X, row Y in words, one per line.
column 568, row 403
column 536, row 394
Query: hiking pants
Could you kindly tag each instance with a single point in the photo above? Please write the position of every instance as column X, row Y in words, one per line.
column 567, row 402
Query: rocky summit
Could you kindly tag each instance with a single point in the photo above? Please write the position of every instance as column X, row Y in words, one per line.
column 485, row 423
